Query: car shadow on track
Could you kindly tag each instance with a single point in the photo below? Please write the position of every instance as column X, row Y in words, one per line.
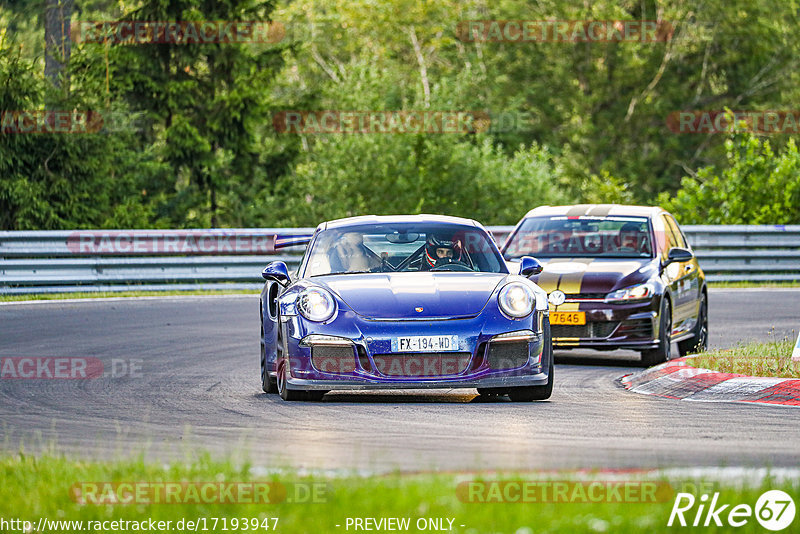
column 617, row 358
column 403, row 397
column 442, row 396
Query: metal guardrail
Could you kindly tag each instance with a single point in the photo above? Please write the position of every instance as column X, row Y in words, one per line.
column 119, row 260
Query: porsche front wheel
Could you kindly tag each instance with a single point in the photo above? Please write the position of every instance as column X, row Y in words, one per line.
column 286, row 393
column 534, row 393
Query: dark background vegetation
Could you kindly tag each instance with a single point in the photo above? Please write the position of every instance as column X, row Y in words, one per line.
column 192, row 143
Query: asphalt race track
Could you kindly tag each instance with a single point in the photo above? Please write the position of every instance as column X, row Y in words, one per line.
column 195, row 387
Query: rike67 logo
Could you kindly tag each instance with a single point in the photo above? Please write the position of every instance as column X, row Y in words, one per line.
column 774, row 510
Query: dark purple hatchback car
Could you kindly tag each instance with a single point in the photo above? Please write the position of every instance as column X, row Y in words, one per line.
column 616, row 277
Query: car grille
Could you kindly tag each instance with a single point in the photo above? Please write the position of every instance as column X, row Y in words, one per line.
column 508, row 355
column 422, row 364
column 585, row 295
column 636, row 328
column 600, row 329
column 333, row 359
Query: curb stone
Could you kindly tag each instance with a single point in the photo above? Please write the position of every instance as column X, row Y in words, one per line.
column 677, row 379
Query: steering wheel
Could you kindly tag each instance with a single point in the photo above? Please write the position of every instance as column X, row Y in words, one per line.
column 455, row 265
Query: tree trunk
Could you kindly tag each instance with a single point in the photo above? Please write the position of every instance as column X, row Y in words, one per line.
column 57, row 19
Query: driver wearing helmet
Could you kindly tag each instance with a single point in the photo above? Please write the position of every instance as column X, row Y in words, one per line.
column 441, row 251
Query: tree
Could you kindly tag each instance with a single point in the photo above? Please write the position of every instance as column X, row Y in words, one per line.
column 82, row 179
column 206, row 104
column 753, row 186
column 58, row 18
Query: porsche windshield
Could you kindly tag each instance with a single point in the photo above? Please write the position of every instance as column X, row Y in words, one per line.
column 407, row 247
column 553, row 237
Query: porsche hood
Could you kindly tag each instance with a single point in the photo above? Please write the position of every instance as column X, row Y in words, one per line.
column 414, row 295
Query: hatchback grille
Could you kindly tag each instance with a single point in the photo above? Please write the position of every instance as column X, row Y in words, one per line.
column 508, row 355
column 586, row 296
column 600, row 329
column 422, row 364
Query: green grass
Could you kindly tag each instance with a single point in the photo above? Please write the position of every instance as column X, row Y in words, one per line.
column 107, row 294
column 34, row 487
column 772, row 359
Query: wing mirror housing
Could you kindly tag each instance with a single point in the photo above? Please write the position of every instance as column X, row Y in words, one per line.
column 529, row 266
column 277, row 272
column 678, row 254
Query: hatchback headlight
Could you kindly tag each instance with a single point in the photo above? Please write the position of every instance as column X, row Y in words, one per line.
column 516, row 299
column 637, row 292
column 316, row 304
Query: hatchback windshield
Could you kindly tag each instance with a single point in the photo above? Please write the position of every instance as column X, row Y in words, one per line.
column 552, row 237
column 405, row 247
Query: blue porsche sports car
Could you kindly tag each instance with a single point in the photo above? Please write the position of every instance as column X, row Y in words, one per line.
column 404, row 302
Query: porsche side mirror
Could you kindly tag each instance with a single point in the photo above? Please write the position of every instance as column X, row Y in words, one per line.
column 529, row 266
column 276, row 271
column 678, row 254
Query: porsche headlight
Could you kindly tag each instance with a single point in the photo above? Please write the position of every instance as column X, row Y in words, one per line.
column 516, row 299
column 316, row 304
column 637, row 292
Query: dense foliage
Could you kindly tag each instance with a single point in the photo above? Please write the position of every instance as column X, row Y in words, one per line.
column 752, row 186
column 188, row 139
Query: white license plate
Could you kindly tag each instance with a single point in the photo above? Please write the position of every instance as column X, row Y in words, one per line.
column 425, row 344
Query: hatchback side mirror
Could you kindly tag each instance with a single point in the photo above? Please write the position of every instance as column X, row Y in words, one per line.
column 529, row 266
column 678, row 254
column 276, row 271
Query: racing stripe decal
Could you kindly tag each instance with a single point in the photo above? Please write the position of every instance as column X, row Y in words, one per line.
column 577, row 211
column 599, row 211
column 548, row 281
column 570, row 283
column 552, row 281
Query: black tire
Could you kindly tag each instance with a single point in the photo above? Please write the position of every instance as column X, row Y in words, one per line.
column 268, row 384
column 280, row 380
column 536, row 393
column 699, row 341
column 663, row 352
column 286, row 393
